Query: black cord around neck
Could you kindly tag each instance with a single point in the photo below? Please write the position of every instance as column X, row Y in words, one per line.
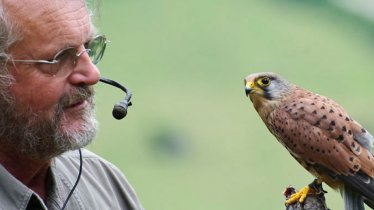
column 76, row 182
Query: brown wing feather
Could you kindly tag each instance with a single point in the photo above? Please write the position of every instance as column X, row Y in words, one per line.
column 318, row 130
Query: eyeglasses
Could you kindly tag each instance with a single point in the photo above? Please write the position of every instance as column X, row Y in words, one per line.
column 68, row 57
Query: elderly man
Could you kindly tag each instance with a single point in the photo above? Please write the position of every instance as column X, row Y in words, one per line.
column 48, row 52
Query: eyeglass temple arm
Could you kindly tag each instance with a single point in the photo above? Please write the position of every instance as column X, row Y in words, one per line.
column 36, row 61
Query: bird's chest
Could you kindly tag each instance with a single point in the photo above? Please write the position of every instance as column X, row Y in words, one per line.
column 288, row 137
column 304, row 142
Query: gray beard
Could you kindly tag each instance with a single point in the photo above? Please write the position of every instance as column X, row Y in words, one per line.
column 34, row 136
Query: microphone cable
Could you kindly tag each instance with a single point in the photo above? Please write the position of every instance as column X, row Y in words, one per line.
column 76, row 182
column 119, row 112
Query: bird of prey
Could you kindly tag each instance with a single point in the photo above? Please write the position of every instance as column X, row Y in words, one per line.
column 319, row 134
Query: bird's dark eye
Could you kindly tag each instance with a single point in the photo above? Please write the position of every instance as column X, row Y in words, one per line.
column 265, row 81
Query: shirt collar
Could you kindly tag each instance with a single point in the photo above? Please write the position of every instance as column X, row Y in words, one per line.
column 14, row 194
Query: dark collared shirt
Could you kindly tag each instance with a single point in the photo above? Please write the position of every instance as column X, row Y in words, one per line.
column 101, row 186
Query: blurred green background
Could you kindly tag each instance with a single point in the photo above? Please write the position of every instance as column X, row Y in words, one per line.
column 192, row 140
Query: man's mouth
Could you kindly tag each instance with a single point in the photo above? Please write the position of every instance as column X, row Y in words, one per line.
column 78, row 100
column 77, row 104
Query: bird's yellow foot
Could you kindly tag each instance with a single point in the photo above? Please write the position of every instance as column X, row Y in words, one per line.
column 299, row 196
column 293, row 196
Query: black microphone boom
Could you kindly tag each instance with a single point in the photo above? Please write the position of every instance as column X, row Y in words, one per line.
column 119, row 112
column 119, row 109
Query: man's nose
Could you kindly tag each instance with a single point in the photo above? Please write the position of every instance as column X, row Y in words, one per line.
column 85, row 72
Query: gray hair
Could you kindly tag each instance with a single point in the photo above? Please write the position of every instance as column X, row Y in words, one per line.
column 9, row 34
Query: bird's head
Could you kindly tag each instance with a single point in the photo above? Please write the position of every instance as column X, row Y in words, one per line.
column 266, row 88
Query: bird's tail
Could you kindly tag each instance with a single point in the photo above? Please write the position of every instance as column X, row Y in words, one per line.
column 352, row 200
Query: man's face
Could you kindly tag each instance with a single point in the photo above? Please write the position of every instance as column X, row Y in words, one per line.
column 49, row 113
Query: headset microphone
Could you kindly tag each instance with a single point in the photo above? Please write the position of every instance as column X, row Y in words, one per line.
column 119, row 112
column 119, row 109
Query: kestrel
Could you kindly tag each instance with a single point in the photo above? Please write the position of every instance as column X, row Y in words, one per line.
column 319, row 134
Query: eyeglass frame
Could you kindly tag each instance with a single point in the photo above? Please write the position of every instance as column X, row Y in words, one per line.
column 54, row 60
column 102, row 41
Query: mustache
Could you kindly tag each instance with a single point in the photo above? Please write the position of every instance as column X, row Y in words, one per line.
column 76, row 95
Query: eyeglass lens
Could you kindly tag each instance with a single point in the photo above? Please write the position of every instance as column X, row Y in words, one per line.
column 95, row 49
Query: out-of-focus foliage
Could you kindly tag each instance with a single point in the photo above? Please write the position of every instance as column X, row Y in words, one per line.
column 192, row 140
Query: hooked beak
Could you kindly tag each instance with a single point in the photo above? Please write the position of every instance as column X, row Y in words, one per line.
column 249, row 88
column 248, row 91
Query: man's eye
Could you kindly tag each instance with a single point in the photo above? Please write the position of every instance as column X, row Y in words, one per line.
column 50, row 69
column 65, row 54
column 87, row 45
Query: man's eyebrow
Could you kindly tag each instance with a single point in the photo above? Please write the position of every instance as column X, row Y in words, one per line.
column 91, row 37
column 86, row 40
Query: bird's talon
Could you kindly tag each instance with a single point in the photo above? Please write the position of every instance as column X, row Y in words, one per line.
column 299, row 196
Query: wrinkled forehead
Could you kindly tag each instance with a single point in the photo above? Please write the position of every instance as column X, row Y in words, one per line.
column 50, row 19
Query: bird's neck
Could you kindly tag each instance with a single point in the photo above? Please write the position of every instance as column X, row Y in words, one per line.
column 264, row 107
